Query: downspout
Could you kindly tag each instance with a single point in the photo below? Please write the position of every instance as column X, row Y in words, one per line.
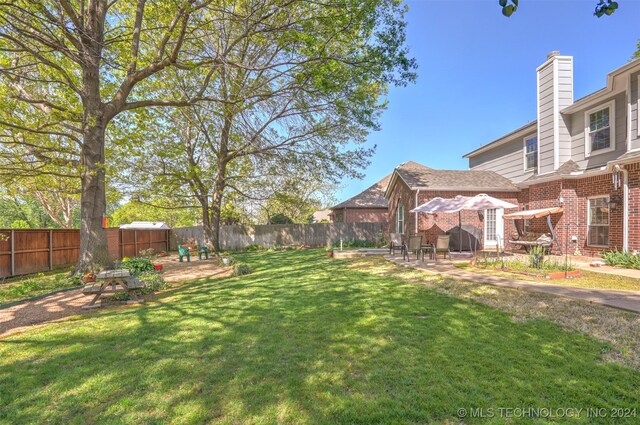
column 416, row 213
column 625, row 211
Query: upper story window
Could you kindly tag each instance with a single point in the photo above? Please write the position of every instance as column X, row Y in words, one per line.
column 530, row 152
column 400, row 219
column 599, row 131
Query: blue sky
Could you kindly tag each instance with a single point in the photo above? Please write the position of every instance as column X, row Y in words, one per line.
column 477, row 74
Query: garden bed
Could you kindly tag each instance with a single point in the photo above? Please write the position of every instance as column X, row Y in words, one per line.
column 540, row 274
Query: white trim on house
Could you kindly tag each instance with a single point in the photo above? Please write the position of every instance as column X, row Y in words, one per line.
column 399, row 226
column 629, row 117
column 507, row 138
column 556, row 115
column 538, row 113
column 637, row 109
column 612, row 129
column 524, row 151
column 589, row 198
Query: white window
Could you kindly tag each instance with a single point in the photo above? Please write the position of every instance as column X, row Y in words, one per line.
column 531, row 152
column 599, row 134
column 400, row 219
column 598, row 221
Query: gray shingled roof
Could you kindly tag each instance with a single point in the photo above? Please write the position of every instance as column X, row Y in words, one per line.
column 372, row 197
column 564, row 170
column 418, row 176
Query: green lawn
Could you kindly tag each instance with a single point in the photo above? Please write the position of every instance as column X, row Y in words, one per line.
column 586, row 280
column 304, row 339
column 32, row 285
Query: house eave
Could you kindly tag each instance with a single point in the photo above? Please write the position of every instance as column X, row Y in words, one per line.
column 519, row 132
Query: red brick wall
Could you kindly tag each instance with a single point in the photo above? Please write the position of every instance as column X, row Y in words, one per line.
column 402, row 194
column 430, row 226
column 573, row 222
column 366, row 215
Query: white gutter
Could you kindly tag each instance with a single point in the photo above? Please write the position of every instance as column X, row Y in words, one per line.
column 416, row 213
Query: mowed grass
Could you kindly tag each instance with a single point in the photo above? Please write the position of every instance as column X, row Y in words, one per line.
column 304, row 339
column 588, row 279
column 22, row 287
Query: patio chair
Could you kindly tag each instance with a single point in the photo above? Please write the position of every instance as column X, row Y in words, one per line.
column 182, row 252
column 203, row 250
column 396, row 243
column 442, row 246
column 414, row 245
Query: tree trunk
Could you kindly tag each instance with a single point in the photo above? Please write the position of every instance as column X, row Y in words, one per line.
column 94, row 251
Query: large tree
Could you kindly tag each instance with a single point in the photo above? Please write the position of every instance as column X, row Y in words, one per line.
column 300, row 88
column 69, row 67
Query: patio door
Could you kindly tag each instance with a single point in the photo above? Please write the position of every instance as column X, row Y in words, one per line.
column 493, row 228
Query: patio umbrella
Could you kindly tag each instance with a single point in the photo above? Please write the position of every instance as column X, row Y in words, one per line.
column 481, row 201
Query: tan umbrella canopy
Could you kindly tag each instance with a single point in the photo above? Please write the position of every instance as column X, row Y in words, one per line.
column 481, row 201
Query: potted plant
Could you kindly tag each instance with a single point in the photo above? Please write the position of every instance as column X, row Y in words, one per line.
column 157, row 267
column 329, row 251
column 162, row 254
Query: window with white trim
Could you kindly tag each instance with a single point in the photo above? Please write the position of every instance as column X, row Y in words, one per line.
column 599, row 131
column 400, row 219
column 531, row 152
column 598, row 221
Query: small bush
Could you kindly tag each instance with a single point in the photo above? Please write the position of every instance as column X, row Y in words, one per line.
column 241, row 269
column 627, row 260
column 355, row 243
column 153, row 282
column 253, row 247
column 137, row 265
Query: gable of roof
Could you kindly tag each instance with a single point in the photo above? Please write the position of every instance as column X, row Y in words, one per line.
column 372, row 197
column 417, row 176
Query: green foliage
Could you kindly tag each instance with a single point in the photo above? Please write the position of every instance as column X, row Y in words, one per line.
column 154, row 282
column 36, row 284
column 355, row 243
column 617, row 258
column 23, row 212
column 280, row 219
column 241, row 269
column 603, row 7
column 253, row 247
column 302, row 341
column 137, row 211
column 636, row 54
column 536, row 256
column 546, row 264
column 136, row 265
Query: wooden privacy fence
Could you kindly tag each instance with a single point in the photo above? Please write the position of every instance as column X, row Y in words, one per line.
column 315, row 235
column 24, row 251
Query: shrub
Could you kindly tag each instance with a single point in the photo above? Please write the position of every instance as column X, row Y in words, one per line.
column 153, row 282
column 241, row 269
column 136, row 265
column 253, row 247
column 622, row 259
column 355, row 243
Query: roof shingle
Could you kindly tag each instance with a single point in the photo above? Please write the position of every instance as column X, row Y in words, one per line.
column 372, row 197
column 418, row 176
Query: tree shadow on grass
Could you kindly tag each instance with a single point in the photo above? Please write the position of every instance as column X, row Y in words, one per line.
column 301, row 340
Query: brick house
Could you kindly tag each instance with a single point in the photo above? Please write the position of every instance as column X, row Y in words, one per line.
column 579, row 160
column 369, row 205
column 413, row 184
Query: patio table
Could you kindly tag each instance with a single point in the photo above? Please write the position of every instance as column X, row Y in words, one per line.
column 113, row 279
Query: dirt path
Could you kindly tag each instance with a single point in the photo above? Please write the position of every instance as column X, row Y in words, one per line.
column 58, row 306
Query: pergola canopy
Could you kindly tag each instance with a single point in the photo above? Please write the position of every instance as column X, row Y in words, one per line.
column 529, row 214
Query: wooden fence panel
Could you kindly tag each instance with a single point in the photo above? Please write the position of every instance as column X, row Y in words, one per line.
column 314, row 235
column 35, row 250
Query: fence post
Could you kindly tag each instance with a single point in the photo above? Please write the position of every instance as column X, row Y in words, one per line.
column 50, row 249
column 13, row 253
column 120, row 243
column 135, row 243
